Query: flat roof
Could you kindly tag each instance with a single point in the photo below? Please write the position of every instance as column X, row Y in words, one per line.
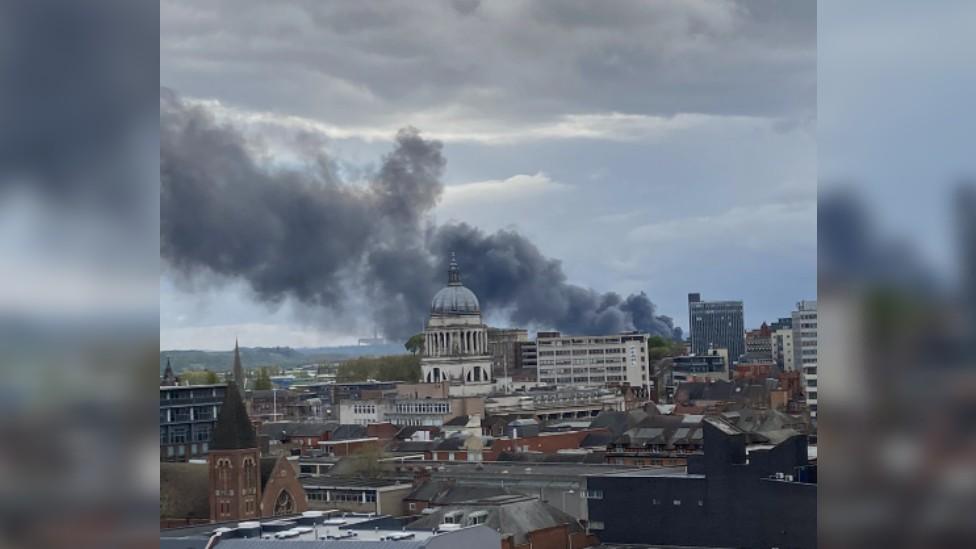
column 352, row 482
column 525, row 468
column 678, row 472
column 346, row 526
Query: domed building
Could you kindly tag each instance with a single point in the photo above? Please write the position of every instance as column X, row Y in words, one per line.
column 455, row 339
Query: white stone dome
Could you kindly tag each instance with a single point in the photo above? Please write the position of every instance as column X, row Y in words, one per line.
column 454, row 299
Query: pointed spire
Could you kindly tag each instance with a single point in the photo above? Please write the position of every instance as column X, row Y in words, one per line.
column 169, row 378
column 233, row 430
column 238, row 369
column 453, row 272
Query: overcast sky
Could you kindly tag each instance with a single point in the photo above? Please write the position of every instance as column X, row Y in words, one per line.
column 666, row 147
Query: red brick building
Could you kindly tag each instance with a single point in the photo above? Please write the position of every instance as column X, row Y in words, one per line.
column 241, row 484
column 233, row 462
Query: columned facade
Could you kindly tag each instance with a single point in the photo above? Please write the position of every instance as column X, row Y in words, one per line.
column 455, row 340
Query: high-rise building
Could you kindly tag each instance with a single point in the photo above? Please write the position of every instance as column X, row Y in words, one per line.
column 592, row 360
column 527, row 354
column 782, row 350
column 760, row 342
column 805, row 349
column 503, row 348
column 716, row 324
column 187, row 417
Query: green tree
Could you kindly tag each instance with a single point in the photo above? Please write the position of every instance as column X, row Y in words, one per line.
column 659, row 347
column 211, row 378
column 263, row 381
column 415, row 344
column 386, row 368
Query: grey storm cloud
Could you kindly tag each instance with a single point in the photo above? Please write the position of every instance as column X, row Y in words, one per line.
column 472, row 60
column 302, row 234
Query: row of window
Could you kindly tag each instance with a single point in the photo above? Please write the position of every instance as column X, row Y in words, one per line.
column 580, row 361
column 364, row 409
column 180, row 434
column 342, row 497
column 180, row 451
column 212, row 392
column 423, row 408
column 579, row 352
column 196, row 413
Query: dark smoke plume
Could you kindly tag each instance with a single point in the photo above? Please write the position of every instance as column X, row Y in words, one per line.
column 306, row 235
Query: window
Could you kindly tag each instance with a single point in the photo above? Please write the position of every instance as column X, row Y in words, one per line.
column 203, row 412
column 655, row 501
column 478, row 517
column 594, row 494
column 454, row 517
column 676, row 502
column 249, row 476
column 596, row 525
column 201, row 433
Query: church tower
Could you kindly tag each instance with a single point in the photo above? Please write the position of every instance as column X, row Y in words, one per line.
column 234, row 463
column 169, row 378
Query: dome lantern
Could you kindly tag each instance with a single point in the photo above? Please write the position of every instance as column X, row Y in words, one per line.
column 454, row 298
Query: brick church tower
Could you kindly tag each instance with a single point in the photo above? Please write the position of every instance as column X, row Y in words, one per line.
column 234, row 463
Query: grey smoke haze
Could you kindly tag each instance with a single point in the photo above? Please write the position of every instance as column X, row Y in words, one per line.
column 304, row 234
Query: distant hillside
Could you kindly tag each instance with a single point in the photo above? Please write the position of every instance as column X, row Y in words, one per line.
column 284, row 357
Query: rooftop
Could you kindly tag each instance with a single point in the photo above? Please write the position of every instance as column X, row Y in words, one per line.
column 312, row 529
column 351, row 482
column 645, row 472
column 521, row 468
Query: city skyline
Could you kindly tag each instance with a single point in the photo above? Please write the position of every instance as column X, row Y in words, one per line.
column 691, row 171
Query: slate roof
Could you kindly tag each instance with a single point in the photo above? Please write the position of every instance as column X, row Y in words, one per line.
column 596, row 439
column 618, row 422
column 349, row 432
column 267, row 467
column 233, row 430
column 408, row 431
column 663, row 430
column 459, row 421
column 698, row 390
column 445, row 492
column 413, row 446
column 285, row 429
column 508, row 514
column 450, row 443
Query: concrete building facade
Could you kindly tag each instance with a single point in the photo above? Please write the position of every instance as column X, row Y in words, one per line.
column 783, row 349
column 592, row 360
column 503, row 346
column 187, row 416
column 805, row 349
column 716, row 324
